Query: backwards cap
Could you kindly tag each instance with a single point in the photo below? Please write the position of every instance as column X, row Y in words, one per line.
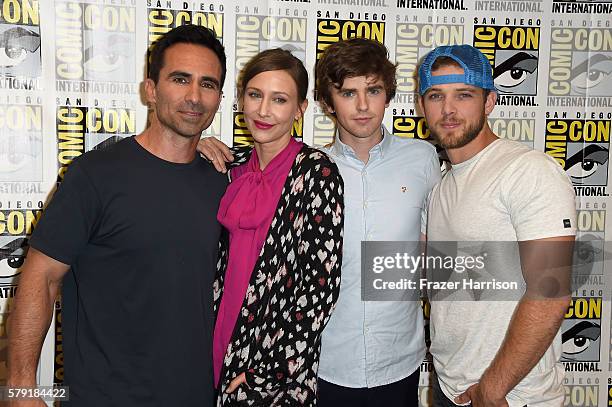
column 477, row 70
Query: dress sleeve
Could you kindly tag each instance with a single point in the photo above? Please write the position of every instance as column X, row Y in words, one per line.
column 221, row 267
column 241, row 156
column 319, row 258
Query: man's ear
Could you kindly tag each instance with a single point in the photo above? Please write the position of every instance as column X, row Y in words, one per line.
column 490, row 102
column 150, row 91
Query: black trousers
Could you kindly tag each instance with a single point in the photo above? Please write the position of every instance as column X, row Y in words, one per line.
column 439, row 398
column 403, row 393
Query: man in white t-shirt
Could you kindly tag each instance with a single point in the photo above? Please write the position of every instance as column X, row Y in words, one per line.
column 495, row 353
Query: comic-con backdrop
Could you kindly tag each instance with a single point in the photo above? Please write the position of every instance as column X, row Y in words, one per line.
column 70, row 74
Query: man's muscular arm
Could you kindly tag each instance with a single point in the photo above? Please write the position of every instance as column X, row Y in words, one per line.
column 546, row 265
column 30, row 317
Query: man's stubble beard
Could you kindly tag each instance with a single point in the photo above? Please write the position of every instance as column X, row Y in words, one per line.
column 468, row 135
column 177, row 128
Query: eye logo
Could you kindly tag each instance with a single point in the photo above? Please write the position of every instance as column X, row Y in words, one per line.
column 591, row 77
column 513, row 52
column 581, row 342
column 587, row 162
column 21, row 143
column 588, row 255
column 581, row 330
column 20, row 52
column 15, row 44
column 516, row 74
column 106, row 60
column 581, row 147
column 18, row 156
column 580, row 62
column 14, row 253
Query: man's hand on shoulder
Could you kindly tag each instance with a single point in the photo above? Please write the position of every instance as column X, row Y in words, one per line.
column 216, row 152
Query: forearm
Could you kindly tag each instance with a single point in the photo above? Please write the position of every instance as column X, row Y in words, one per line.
column 531, row 331
column 27, row 326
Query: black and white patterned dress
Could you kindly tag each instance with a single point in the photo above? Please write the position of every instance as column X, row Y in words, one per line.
column 292, row 291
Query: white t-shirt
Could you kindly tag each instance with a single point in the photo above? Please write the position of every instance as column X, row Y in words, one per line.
column 507, row 192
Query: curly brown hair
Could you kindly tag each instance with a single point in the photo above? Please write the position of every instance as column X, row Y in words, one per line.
column 351, row 58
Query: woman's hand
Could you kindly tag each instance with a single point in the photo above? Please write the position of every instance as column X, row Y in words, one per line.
column 237, row 381
column 216, row 152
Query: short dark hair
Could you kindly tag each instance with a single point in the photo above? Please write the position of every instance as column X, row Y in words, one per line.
column 275, row 59
column 185, row 34
column 351, row 58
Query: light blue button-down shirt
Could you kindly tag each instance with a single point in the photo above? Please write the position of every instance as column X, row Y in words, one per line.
column 369, row 344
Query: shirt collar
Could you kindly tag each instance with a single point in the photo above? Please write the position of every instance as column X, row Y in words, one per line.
column 381, row 148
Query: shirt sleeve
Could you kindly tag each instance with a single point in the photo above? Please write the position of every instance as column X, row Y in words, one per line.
column 433, row 177
column 540, row 198
column 424, row 214
column 69, row 219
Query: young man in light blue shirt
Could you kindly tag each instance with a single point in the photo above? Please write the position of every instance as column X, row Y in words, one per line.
column 371, row 350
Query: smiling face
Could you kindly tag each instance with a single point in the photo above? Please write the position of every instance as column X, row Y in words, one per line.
column 359, row 105
column 456, row 113
column 270, row 105
column 187, row 94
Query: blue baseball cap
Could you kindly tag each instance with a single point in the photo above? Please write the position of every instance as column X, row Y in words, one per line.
column 477, row 70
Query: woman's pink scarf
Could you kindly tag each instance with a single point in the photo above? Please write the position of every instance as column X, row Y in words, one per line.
column 246, row 211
